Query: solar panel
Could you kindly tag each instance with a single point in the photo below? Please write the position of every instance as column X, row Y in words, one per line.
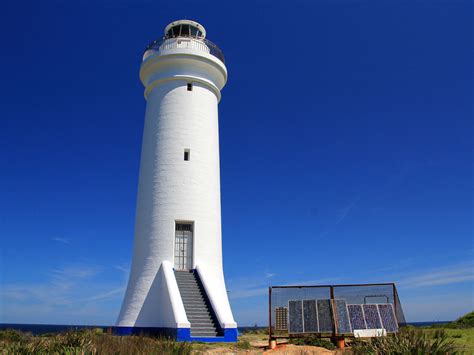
column 372, row 317
column 310, row 316
column 295, row 317
column 356, row 316
column 343, row 324
column 387, row 315
column 324, row 316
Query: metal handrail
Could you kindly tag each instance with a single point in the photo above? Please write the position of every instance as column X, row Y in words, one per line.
column 201, row 44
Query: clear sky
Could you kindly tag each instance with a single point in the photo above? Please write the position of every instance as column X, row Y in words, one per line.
column 346, row 150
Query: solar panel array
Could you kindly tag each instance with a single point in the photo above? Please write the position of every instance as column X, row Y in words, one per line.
column 316, row 316
column 321, row 316
column 373, row 316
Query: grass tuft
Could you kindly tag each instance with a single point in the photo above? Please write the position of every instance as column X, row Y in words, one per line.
column 313, row 341
column 407, row 341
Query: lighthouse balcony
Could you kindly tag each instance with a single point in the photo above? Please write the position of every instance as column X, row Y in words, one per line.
column 162, row 46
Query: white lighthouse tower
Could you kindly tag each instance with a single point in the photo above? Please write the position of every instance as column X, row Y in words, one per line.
column 176, row 283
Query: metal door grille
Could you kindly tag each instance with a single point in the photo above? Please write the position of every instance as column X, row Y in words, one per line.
column 183, row 246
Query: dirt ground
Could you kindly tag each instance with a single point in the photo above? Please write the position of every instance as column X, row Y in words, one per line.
column 258, row 344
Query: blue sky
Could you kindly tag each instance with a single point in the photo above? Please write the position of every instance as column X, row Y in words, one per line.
column 346, row 150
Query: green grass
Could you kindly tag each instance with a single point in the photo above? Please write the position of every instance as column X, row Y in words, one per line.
column 461, row 332
column 463, row 338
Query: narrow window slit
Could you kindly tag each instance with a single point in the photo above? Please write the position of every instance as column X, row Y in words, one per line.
column 187, row 154
column 190, row 87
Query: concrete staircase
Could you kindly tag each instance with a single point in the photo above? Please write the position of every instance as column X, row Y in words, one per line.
column 197, row 306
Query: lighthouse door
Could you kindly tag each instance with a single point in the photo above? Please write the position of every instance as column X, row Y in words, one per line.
column 183, row 246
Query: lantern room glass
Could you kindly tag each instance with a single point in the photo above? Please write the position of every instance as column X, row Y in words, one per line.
column 184, row 30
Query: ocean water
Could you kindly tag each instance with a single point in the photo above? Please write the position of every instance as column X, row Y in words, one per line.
column 38, row 329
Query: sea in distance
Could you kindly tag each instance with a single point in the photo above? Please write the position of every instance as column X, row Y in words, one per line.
column 39, row 329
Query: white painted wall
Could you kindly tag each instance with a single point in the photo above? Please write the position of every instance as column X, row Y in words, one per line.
column 172, row 189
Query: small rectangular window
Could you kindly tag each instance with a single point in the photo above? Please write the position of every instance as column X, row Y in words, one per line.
column 187, row 154
column 190, row 87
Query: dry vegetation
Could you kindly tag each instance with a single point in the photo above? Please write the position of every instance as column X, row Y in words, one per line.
column 453, row 338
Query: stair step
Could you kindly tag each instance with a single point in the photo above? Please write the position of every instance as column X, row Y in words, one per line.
column 192, row 314
column 209, row 322
column 195, row 302
column 199, row 304
column 190, row 291
column 209, row 325
column 200, row 310
column 197, row 310
column 187, row 283
column 189, row 288
column 204, row 334
column 191, row 297
column 204, row 330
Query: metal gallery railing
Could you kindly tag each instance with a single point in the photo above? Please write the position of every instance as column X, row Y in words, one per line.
column 200, row 44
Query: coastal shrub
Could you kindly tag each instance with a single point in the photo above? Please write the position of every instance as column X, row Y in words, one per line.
column 243, row 345
column 466, row 321
column 313, row 341
column 108, row 344
column 25, row 346
column 11, row 335
column 92, row 342
column 407, row 341
column 70, row 342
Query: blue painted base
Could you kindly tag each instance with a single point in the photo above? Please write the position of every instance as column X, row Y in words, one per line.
column 167, row 332
column 180, row 334
column 230, row 336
